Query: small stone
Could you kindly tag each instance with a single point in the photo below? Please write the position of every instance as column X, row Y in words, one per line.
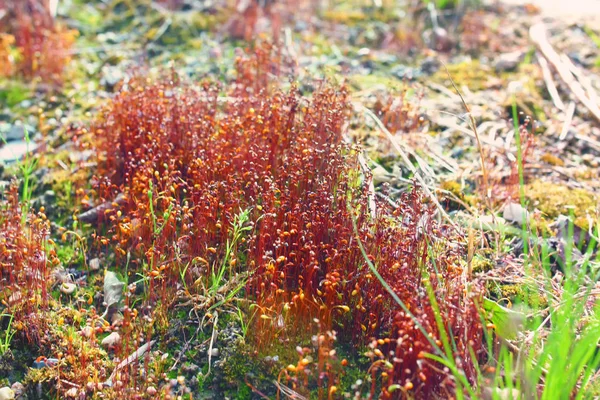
column 7, row 393
column 508, row 62
column 18, row 388
column 111, row 76
column 94, row 264
column 87, row 331
column 438, row 39
column 513, row 212
column 214, row 352
column 13, row 151
column 67, row 287
column 487, row 222
column 49, row 197
column 10, row 132
column 430, row 65
column 111, row 340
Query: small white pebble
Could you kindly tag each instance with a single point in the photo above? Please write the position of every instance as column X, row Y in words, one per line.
column 111, row 339
column 67, row 287
column 87, row 331
column 7, row 393
column 94, row 264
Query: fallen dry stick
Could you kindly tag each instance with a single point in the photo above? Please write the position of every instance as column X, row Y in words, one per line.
column 550, row 84
column 539, row 37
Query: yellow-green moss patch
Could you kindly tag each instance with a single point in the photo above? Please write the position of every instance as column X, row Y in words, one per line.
column 554, row 200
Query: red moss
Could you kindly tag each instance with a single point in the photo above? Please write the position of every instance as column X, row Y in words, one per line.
column 6, row 58
column 26, row 260
column 282, row 156
column 42, row 44
column 399, row 114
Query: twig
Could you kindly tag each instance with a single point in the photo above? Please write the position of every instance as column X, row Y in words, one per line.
column 547, row 74
column 455, row 127
column 568, row 119
column 408, row 163
column 371, row 188
column 212, row 339
column 288, row 392
column 582, row 78
column 486, row 187
column 594, row 144
column 442, row 89
column 538, row 35
column 131, row 358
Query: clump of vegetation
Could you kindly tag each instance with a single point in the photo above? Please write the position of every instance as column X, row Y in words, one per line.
column 554, row 200
column 26, row 263
column 259, row 197
column 34, row 45
column 399, row 114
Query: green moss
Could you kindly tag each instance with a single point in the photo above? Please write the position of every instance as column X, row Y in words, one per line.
column 362, row 82
column 552, row 159
column 519, row 293
column 65, row 253
column 481, row 264
column 458, row 192
column 554, row 200
column 471, row 74
column 13, row 92
column 347, row 15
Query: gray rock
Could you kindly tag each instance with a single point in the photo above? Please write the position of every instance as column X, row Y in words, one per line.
column 6, row 393
column 94, row 264
column 507, row 62
column 513, row 212
column 49, row 197
column 111, row 76
column 11, row 132
column 18, row 388
column 15, row 150
column 111, row 340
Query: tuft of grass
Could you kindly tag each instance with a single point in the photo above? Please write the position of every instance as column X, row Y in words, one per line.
column 6, row 339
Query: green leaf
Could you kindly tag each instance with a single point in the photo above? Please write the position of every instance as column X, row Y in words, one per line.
column 507, row 322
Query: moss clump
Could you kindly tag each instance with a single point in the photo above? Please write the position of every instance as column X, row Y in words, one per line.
column 469, row 73
column 519, row 293
column 552, row 160
column 456, row 189
column 481, row 263
column 512, row 291
column 352, row 16
column 554, row 200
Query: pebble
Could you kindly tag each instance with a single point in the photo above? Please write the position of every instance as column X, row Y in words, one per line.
column 67, row 287
column 513, row 212
column 7, row 393
column 87, row 331
column 214, row 352
column 18, row 388
column 508, row 62
column 15, row 150
column 111, row 339
column 11, row 132
column 94, row 264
